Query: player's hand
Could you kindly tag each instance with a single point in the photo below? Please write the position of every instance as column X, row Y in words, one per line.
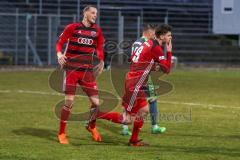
column 61, row 59
column 98, row 68
column 169, row 46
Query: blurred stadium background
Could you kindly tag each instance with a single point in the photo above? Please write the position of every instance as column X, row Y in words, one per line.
column 206, row 35
column 30, row 28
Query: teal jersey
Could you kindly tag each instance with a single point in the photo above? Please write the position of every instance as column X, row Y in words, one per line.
column 138, row 43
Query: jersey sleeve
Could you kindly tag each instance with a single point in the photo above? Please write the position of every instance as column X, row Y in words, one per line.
column 158, row 54
column 63, row 38
column 99, row 47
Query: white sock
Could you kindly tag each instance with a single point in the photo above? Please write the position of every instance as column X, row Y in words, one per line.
column 154, row 126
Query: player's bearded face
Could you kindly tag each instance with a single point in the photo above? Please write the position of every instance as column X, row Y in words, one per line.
column 91, row 15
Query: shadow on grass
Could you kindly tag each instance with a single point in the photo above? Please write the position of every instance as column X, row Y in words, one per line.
column 37, row 132
column 113, row 139
column 112, row 127
column 51, row 135
column 117, row 140
column 109, row 141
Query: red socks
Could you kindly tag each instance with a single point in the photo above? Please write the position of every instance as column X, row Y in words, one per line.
column 137, row 125
column 111, row 116
column 65, row 112
column 92, row 124
column 93, row 116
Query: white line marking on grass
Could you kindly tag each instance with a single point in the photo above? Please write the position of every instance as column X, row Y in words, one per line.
column 31, row 92
column 160, row 101
column 197, row 104
column 39, row 92
column 5, row 91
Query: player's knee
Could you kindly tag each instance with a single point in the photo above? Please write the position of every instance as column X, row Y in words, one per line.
column 69, row 100
column 95, row 101
column 142, row 113
column 144, row 110
column 128, row 122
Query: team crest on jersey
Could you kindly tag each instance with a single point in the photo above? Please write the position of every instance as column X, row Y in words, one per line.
column 93, row 34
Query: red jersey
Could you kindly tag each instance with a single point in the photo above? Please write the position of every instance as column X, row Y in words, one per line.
column 142, row 61
column 82, row 43
column 144, row 56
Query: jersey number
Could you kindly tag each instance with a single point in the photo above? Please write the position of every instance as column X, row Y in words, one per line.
column 137, row 54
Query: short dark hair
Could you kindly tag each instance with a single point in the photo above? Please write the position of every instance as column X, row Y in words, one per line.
column 85, row 9
column 148, row 26
column 162, row 29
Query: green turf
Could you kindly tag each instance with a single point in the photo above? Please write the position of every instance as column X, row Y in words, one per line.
column 28, row 126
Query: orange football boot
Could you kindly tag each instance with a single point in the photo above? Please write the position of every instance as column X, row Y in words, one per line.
column 95, row 135
column 62, row 138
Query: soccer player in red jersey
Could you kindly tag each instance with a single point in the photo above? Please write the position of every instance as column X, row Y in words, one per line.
column 83, row 39
column 142, row 62
column 148, row 33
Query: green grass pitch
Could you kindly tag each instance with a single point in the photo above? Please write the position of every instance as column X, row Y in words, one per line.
column 209, row 99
